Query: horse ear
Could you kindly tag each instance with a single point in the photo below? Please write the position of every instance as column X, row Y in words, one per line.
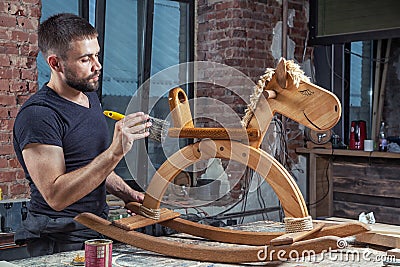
column 280, row 73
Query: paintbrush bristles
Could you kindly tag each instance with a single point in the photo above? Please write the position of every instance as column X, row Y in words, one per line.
column 159, row 129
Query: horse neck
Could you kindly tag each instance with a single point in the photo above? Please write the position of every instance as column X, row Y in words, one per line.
column 262, row 115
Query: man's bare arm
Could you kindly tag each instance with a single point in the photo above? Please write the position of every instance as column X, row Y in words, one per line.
column 118, row 187
column 46, row 165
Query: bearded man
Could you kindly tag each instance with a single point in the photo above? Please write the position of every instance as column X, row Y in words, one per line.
column 61, row 140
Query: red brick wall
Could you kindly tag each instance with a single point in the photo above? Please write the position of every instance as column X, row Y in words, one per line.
column 239, row 33
column 19, row 20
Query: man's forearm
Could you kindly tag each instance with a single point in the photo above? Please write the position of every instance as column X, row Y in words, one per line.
column 118, row 187
column 61, row 189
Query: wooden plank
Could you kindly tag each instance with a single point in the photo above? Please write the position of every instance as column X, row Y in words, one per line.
column 394, row 252
column 367, row 186
column 324, row 194
column 366, row 169
column 351, row 210
column 250, row 134
column 138, row 221
column 342, row 230
column 367, row 199
column 371, row 177
column 380, row 239
column 312, row 184
column 290, row 238
column 6, row 238
column 376, row 227
column 381, row 162
column 350, row 153
column 382, row 90
column 380, row 234
column 375, row 122
column 319, row 189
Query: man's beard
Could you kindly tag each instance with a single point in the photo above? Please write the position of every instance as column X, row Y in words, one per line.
column 82, row 85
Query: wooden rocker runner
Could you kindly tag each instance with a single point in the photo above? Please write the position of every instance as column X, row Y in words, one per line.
column 285, row 90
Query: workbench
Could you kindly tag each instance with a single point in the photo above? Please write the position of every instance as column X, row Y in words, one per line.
column 126, row 255
column 344, row 183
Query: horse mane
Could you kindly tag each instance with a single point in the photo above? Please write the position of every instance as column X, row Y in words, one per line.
column 292, row 69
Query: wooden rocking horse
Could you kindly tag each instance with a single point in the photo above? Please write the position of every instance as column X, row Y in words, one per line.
column 285, row 90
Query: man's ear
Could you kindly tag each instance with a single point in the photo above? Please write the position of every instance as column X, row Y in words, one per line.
column 54, row 62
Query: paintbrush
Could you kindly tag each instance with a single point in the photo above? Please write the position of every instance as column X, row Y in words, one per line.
column 158, row 129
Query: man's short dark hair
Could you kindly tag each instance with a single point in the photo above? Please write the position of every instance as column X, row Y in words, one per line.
column 58, row 31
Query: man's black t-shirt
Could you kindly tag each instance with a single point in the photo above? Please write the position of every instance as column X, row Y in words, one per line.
column 47, row 118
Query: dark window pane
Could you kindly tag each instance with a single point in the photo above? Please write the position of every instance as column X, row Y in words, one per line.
column 169, row 48
column 361, row 83
column 120, row 63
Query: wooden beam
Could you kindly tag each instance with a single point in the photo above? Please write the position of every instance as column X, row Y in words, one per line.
column 290, row 238
column 380, row 234
column 375, row 122
column 383, row 83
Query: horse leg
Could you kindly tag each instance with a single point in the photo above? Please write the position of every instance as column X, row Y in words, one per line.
column 281, row 182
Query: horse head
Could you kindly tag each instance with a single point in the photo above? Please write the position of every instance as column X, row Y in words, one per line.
column 287, row 91
column 300, row 100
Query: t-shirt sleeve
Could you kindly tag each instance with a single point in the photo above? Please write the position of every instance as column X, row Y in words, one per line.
column 38, row 124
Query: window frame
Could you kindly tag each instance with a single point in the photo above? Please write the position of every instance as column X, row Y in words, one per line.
column 345, row 37
column 145, row 28
column 144, row 68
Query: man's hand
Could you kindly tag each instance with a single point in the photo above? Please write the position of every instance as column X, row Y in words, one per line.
column 126, row 131
column 118, row 187
column 138, row 197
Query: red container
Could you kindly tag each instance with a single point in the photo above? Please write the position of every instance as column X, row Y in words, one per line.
column 358, row 133
column 98, row 253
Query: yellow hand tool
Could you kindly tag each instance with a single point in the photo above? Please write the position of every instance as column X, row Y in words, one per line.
column 158, row 130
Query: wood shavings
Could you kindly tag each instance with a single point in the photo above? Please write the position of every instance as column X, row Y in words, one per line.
column 78, row 260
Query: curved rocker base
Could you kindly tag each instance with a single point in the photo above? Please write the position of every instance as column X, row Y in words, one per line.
column 228, row 254
column 257, row 238
column 172, row 220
